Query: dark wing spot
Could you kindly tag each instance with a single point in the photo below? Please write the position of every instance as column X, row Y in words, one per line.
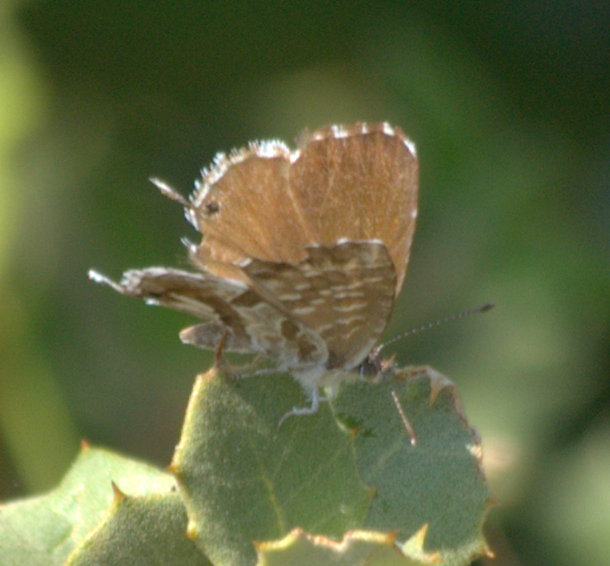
column 212, row 207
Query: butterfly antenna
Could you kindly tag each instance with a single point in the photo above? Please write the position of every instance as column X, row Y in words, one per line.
column 403, row 417
column 483, row 308
column 170, row 192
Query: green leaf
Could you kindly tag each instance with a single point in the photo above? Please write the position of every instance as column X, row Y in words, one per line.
column 438, row 481
column 244, row 479
column 45, row 530
column 144, row 530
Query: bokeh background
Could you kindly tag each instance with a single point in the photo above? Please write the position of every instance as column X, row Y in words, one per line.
column 508, row 103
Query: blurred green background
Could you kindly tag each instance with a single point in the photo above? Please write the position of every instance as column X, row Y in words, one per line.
column 508, row 104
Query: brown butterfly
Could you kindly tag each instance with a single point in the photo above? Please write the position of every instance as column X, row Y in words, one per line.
column 303, row 253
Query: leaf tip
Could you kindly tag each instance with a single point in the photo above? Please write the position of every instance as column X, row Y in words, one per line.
column 118, row 494
column 414, row 547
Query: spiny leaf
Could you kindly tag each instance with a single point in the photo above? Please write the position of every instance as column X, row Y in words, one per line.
column 245, row 479
column 437, row 480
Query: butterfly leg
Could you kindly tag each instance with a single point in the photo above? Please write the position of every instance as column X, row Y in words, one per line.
column 316, row 399
column 219, row 359
column 231, row 370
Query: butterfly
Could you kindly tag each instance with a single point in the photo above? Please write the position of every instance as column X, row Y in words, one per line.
column 303, row 254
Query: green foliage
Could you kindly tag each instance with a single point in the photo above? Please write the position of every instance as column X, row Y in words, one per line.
column 87, row 521
column 353, row 484
column 438, row 480
column 243, row 478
